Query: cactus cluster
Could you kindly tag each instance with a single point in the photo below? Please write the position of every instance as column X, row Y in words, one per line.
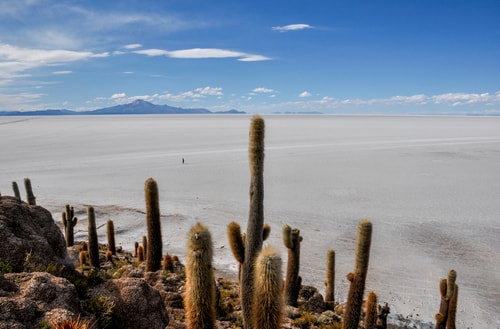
column 445, row 319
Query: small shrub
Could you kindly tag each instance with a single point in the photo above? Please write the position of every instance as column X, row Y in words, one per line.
column 306, row 320
column 104, row 309
column 5, row 267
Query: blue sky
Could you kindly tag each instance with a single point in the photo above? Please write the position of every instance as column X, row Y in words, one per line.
column 397, row 56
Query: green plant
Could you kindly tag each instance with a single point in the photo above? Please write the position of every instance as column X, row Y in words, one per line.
column 268, row 298
column 5, row 267
column 291, row 240
column 330, row 276
column 69, row 221
column 93, row 243
column 358, row 277
column 110, row 232
column 154, row 248
column 199, row 298
column 104, row 308
column 45, row 325
column 305, row 321
column 30, row 197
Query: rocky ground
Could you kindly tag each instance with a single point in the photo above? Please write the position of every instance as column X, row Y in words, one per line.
column 42, row 283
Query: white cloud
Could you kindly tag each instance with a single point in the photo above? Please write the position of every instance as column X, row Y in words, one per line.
column 263, row 90
column 118, row 95
column 212, row 91
column 20, row 102
column 62, row 72
column 305, row 94
column 14, row 60
column 292, row 27
column 133, row 46
column 201, row 53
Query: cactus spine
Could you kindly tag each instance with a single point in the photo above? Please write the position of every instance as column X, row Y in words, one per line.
column 330, row 276
column 93, row 243
column 110, row 232
column 371, row 311
column 291, row 240
column 268, row 298
column 69, row 221
column 15, row 188
column 154, row 249
column 358, row 277
column 199, row 299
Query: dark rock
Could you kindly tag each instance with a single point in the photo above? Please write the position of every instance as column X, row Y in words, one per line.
column 30, row 238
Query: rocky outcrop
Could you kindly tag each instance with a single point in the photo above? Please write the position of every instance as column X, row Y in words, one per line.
column 28, row 299
column 30, row 238
column 133, row 302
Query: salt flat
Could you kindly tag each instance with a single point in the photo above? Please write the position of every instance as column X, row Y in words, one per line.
column 430, row 185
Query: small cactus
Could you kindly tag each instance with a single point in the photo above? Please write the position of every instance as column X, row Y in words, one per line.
column 93, row 243
column 199, row 299
column 168, row 264
column 69, row 221
column 15, row 188
column 30, row 197
column 83, row 258
column 267, row 310
column 110, row 232
column 371, row 311
column 291, row 240
column 358, row 277
column 155, row 245
column 452, row 310
column 136, row 246
column 330, row 276
column 140, row 254
column 236, row 241
column 109, row 256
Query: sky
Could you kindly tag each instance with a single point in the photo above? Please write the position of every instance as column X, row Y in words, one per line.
column 385, row 56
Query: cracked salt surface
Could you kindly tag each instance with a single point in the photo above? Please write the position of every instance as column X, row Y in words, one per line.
column 430, row 185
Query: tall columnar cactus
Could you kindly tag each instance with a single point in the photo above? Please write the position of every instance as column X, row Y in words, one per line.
column 251, row 243
column 93, row 243
column 449, row 294
column 268, row 298
column 140, row 254
column 155, row 245
column 330, row 276
column 110, row 232
column 69, row 221
column 199, row 298
column 358, row 277
column 15, row 188
column 291, row 240
column 30, row 197
column 371, row 311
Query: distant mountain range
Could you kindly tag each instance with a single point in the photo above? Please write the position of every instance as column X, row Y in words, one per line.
column 137, row 107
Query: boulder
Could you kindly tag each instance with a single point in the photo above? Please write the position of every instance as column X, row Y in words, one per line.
column 134, row 304
column 38, row 296
column 30, row 238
